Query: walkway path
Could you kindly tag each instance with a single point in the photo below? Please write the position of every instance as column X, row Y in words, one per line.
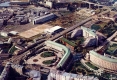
column 40, row 59
column 114, row 35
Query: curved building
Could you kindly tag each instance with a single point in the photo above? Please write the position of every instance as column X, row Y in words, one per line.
column 102, row 61
column 61, row 48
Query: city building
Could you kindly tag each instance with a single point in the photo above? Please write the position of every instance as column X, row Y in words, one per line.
column 115, row 4
column 115, row 18
column 5, row 72
column 4, row 34
column 18, row 72
column 90, row 41
column 20, row 2
column 61, row 75
column 77, row 33
column 44, row 18
column 5, row 4
column 54, row 30
column 4, row 56
column 60, row 59
column 71, row 45
column 4, row 49
column 18, row 68
column 62, row 48
column 91, row 36
column 35, row 75
column 107, row 63
column 88, row 32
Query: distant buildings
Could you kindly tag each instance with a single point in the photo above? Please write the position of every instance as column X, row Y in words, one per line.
column 70, row 4
column 20, row 16
column 11, row 68
column 60, row 75
column 103, row 2
column 18, row 20
column 21, row 2
column 5, row 15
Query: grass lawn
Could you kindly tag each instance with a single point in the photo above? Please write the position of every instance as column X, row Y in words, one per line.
column 95, row 27
column 111, row 49
column 108, row 31
column 91, row 66
column 12, row 50
column 48, row 62
column 47, row 54
column 68, row 41
column 108, row 76
column 81, row 39
column 79, row 68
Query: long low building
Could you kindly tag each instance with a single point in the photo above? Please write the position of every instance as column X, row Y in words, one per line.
column 54, row 30
column 102, row 61
column 44, row 18
column 62, row 48
column 20, row 2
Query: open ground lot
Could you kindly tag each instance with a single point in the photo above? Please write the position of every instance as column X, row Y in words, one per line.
column 34, row 31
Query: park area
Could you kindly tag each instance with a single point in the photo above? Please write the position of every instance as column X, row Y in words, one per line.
column 104, row 28
column 44, row 58
column 111, row 50
column 47, row 54
column 91, row 66
column 78, row 68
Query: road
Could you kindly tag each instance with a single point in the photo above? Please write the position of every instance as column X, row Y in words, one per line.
column 70, row 29
column 111, row 37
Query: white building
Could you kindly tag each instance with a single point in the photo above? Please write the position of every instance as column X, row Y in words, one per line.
column 20, row 2
column 115, row 4
column 42, row 19
column 35, row 75
column 5, row 34
column 53, row 30
column 88, row 32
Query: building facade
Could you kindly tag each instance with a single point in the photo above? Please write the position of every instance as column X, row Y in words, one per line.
column 103, row 61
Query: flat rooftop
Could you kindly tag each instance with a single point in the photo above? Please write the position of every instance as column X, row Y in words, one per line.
column 34, row 31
